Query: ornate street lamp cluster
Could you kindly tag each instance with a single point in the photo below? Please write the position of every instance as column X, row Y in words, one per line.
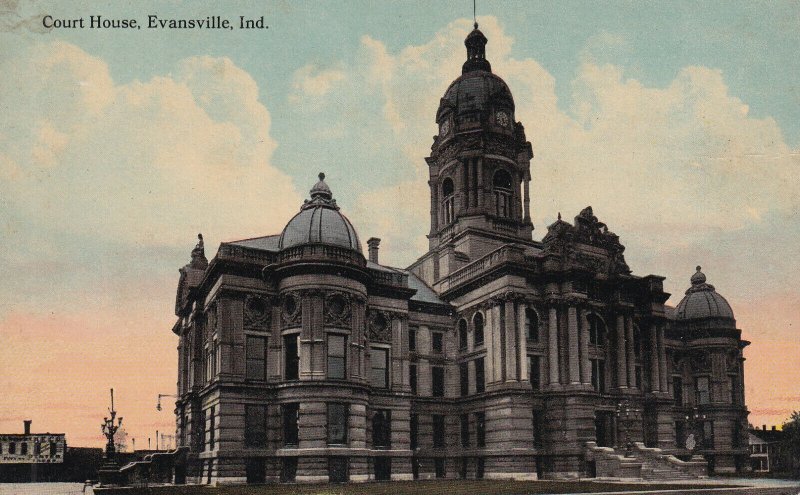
column 623, row 412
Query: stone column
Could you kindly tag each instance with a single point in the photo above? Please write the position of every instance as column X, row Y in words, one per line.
column 572, row 328
column 511, row 331
column 527, row 197
column 522, row 347
column 488, row 343
column 434, row 206
column 497, row 345
column 586, row 364
column 655, row 380
column 662, row 360
column 631, row 354
column 622, row 366
column 481, row 199
column 552, row 343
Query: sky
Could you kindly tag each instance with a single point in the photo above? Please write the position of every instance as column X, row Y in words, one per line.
column 678, row 122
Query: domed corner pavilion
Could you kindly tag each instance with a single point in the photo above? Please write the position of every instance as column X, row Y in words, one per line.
column 708, row 377
column 295, row 358
column 493, row 355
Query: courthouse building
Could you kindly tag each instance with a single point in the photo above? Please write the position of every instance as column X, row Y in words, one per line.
column 493, row 355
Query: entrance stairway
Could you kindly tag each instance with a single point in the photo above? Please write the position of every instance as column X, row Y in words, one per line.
column 643, row 463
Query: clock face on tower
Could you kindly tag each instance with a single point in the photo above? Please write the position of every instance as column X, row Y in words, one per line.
column 501, row 118
column 445, row 128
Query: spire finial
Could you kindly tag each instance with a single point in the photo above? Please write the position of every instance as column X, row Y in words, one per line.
column 321, row 176
column 559, row 215
column 474, row 15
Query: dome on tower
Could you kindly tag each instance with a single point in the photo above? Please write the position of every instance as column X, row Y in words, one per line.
column 320, row 222
column 702, row 301
column 477, row 87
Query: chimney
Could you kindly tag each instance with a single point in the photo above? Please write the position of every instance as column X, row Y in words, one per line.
column 373, row 243
column 764, row 427
column 28, row 426
column 774, row 428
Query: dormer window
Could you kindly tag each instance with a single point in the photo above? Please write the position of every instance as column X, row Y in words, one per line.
column 502, row 193
column 448, row 202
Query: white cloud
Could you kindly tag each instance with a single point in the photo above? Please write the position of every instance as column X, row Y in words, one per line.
column 143, row 162
column 312, row 82
column 657, row 163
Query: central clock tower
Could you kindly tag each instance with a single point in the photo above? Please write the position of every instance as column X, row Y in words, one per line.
column 479, row 169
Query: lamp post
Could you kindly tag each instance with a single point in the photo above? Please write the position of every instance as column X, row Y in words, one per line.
column 158, row 404
column 693, row 418
column 109, row 471
column 623, row 412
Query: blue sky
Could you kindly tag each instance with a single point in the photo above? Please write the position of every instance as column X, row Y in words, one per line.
column 679, row 122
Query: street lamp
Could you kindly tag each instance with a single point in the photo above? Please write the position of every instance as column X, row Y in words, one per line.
column 693, row 418
column 158, row 404
column 109, row 471
column 624, row 411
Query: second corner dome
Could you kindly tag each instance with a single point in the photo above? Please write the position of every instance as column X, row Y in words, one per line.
column 320, row 222
column 702, row 301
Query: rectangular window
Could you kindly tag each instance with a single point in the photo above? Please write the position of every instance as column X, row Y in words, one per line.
column 677, row 390
column 291, row 414
column 438, row 465
column 382, row 429
column 465, row 430
column 414, row 427
column 701, row 387
column 379, row 362
column 53, row 449
column 680, row 434
column 23, row 448
column 337, row 350
column 412, row 339
column 638, row 377
column 412, row 378
column 256, row 358
column 480, row 429
column 708, row 434
column 37, row 448
column 337, row 423
column 438, row 431
column 212, row 429
column 463, row 372
column 734, row 389
column 535, row 369
column 598, row 375
column 480, row 379
column 291, row 358
column 437, row 342
column 437, row 373
column 255, row 425
column 538, row 428
column 209, row 362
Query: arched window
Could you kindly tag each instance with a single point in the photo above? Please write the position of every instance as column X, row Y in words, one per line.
column 448, row 200
column 477, row 323
column 462, row 334
column 597, row 330
column 502, row 193
column 531, row 325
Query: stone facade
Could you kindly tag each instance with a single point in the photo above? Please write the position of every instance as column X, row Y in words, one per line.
column 491, row 356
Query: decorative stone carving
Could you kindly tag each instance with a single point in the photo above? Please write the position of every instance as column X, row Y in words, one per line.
column 561, row 237
column 699, row 362
column 379, row 328
column 211, row 321
column 257, row 311
column 290, row 309
column 732, row 361
column 338, row 309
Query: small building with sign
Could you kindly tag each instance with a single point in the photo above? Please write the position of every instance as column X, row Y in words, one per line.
column 26, row 456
